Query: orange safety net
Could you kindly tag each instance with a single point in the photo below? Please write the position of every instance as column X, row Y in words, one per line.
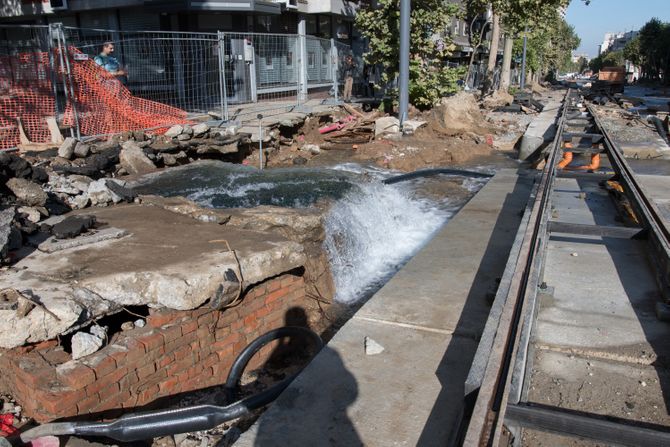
column 26, row 94
column 105, row 106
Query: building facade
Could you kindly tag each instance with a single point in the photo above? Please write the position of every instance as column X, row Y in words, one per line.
column 322, row 18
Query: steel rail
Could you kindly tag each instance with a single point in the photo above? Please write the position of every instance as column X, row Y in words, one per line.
column 495, row 396
column 485, row 426
column 645, row 209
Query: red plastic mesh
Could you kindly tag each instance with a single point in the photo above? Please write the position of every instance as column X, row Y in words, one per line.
column 105, row 106
column 26, row 93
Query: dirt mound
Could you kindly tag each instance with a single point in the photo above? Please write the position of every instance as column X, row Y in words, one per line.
column 459, row 114
column 538, row 88
column 499, row 98
column 426, row 148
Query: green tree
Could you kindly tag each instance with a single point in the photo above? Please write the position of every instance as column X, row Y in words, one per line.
column 429, row 78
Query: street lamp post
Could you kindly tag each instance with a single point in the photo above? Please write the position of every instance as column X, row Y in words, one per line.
column 403, row 78
column 523, row 59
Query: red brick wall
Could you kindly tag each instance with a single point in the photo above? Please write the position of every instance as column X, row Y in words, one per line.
column 175, row 352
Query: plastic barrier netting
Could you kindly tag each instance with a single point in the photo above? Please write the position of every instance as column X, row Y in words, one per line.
column 105, row 106
column 26, row 94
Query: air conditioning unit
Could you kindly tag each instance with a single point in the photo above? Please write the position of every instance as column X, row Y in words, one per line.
column 288, row 4
column 57, row 5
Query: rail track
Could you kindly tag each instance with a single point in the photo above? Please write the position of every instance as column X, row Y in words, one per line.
column 498, row 407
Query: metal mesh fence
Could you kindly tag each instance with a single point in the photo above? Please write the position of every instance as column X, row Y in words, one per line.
column 177, row 69
column 28, row 84
column 152, row 79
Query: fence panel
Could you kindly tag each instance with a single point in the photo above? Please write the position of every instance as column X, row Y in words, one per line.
column 176, row 69
column 28, row 84
column 155, row 79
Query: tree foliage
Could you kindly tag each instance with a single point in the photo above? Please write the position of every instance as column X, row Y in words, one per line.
column 549, row 47
column 429, row 78
column 651, row 50
column 608, row 59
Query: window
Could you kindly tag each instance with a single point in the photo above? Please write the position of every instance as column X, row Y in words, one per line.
column 310, row 25
column 457, row 26
column 311, row 60
column 289, row 59
column 324, row 26
column 324, row 59
column 268, row 61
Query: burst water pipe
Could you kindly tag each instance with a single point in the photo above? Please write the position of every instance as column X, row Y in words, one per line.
column 434, row 171
column 153, row 424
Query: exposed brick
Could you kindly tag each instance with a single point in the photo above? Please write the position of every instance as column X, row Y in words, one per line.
column 262, row 312
column 116, row 375
column 145, row 371
column 165, row 360
column 109, row 391
column 277, row 294
column 147, row 395
column 189, row 326
column 130, row 379
column 161, row 318
column 171, row 385
column 115, row 401
column 56, row 403
column 75, row 374
column 86, row 404
column 101, row 363
column 273, row 285
column 288, row 280
column 171, row 333
column 152, row 341
column 177, row 367
column 182, row 353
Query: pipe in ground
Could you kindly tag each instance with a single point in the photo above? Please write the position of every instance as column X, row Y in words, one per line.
column 434, row 171
column 153, row 424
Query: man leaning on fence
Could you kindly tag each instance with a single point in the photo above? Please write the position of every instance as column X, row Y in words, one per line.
column 349, row 69
column 109, row 62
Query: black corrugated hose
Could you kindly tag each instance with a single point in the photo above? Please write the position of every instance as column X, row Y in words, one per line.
column 153, row 424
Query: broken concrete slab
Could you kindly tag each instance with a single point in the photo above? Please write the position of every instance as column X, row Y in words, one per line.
column 167, row 260
column 10, row 236
column 53, row 244
column 386, row 124
column 27, row 192
column 134, row 160
column 66, row 150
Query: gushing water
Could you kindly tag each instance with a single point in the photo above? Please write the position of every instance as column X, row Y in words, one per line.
column 371, row 231
column 371, row 228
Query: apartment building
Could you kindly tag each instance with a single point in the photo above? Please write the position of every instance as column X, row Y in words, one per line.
column 322, row 18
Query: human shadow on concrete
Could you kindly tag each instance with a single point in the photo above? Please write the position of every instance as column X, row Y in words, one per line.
column 447, row 421
column 307, row 413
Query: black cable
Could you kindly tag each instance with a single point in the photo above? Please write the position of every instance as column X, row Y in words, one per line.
column 153, row 424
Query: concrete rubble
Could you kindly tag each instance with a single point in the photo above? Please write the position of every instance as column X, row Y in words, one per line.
column 190, row 265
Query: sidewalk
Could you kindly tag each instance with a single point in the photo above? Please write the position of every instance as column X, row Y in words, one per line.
column 428, row 319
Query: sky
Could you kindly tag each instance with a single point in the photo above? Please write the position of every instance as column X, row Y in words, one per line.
column 602, row 16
